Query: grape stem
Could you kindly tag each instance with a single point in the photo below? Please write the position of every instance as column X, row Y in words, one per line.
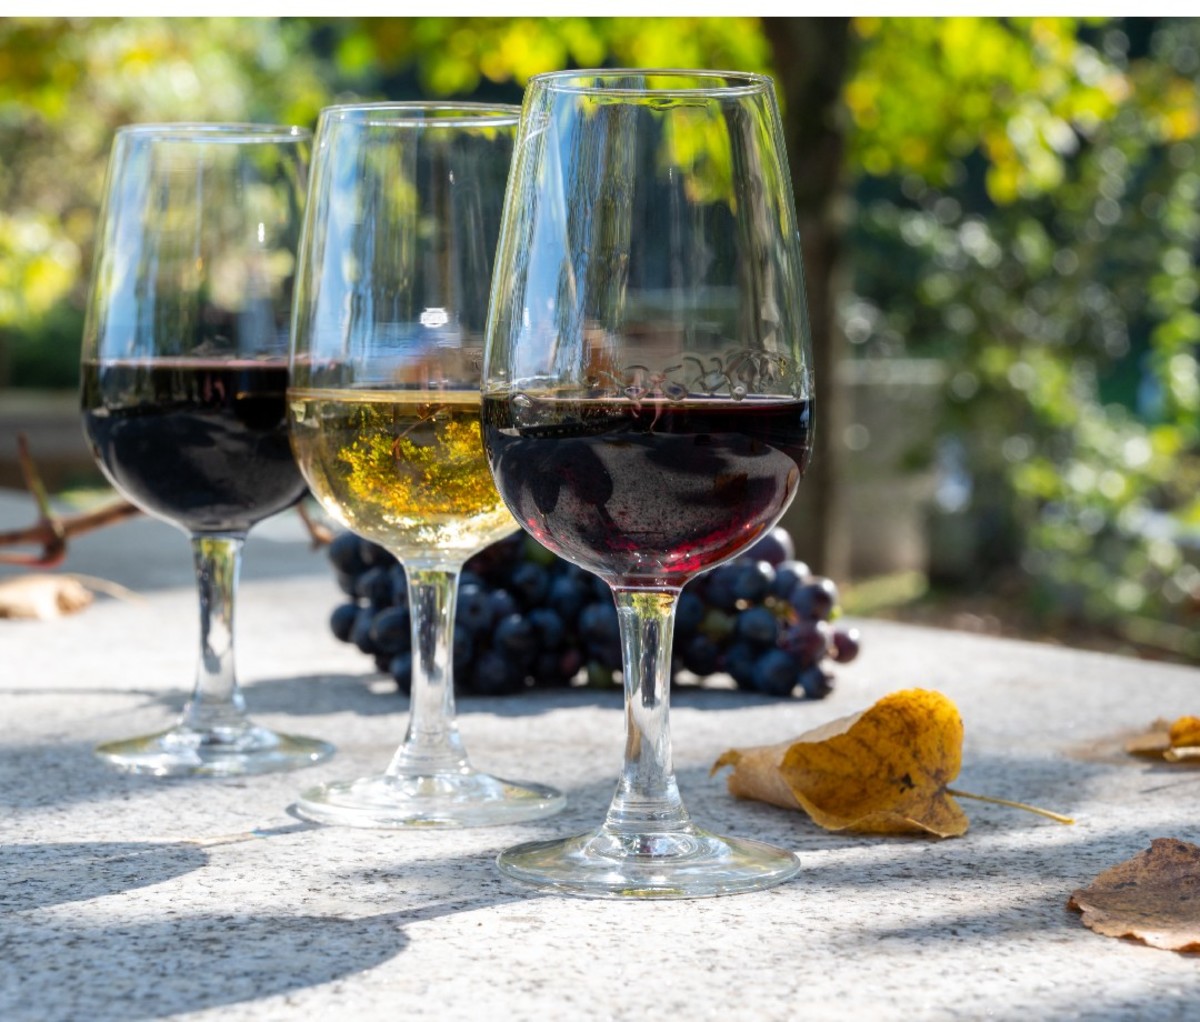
column 1056, row 817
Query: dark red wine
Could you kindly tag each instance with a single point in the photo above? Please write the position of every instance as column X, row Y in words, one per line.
column 203, row 444
column 647, row 493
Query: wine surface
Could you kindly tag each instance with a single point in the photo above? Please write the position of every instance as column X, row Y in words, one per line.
column 403, row 468
column 652, row 492
column 202, row 444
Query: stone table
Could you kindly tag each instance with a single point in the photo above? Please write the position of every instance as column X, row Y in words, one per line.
column 132, row 898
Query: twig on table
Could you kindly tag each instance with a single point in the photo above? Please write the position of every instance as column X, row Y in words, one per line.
column 320, row 534
column 51, row 531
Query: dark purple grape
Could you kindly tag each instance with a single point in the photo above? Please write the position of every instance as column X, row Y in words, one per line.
column 530, row 583
column 517, row 636
column 344, row 554
column 607, row 652
column 753, row 581
column 845, row 645
column 373, row 555
column 391, row 631
column 740, row 659
column 348, row 584
column 775, row 673
column 473, row 609
column 719, row 587
column 775, row 547
column 399, row 583
column 495, row 675
column 700, row 656
column 689, row 612
column 400, row 668
column 360, row 633
column 375, row 586
column 757, row 625
column 788, row 576
column 812, row 601
column 567, row 596
column 341, row 621
column 502, row 604
column 815, row 682
column 464, row 648
column 548, row 627
column 547, row 670
column 807, row 641
column 599, row 622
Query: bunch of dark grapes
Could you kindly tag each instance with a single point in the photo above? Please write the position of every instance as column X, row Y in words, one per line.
column 526, row 618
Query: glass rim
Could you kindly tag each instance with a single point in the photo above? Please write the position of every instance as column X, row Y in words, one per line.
column 412, row 113
column 215, row 131
column 744, row 83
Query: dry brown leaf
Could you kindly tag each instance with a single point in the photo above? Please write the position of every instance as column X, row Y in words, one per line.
column 1153, row 897
column 42, row 597
column 883, row 771
column 1177, row 742
column 1152, row 742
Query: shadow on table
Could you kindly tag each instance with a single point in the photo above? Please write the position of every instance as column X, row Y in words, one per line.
column 41, row 875
column 153, row 967
column 371, row 694
column 158, row 967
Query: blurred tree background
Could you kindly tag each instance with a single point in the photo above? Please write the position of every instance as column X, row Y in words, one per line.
column 1014, row 202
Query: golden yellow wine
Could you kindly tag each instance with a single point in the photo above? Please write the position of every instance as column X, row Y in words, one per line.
column 405, row 469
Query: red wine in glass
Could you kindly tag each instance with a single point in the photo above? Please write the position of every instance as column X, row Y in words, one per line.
column 652, row 490
column 203, row 444
column 184, row 380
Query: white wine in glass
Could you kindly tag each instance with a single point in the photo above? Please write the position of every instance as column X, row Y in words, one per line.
column 384, row 405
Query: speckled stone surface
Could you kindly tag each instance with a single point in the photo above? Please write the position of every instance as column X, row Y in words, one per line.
column 134, row 898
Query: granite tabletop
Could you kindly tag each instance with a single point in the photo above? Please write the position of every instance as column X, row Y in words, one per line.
column 126, row 897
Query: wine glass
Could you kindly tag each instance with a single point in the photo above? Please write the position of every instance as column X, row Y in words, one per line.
column 184, row 381
column 395, row 262
column 647, row 402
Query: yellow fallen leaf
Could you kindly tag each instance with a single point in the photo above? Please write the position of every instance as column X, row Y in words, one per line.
column 883, row 771
column 1153, row 897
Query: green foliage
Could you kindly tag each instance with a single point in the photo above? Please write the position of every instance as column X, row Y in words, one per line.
column 65, row 86
column 1063, row 294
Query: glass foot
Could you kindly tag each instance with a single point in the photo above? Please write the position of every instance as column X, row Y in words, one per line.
column 679, row 864
column 219, row 752
column 466, row 799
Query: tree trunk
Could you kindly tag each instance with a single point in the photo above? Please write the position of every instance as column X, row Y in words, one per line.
column 811, row 59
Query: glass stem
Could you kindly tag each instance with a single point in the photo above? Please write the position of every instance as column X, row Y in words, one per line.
column 216, row 702
column 647, row 797
column 432, row 744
